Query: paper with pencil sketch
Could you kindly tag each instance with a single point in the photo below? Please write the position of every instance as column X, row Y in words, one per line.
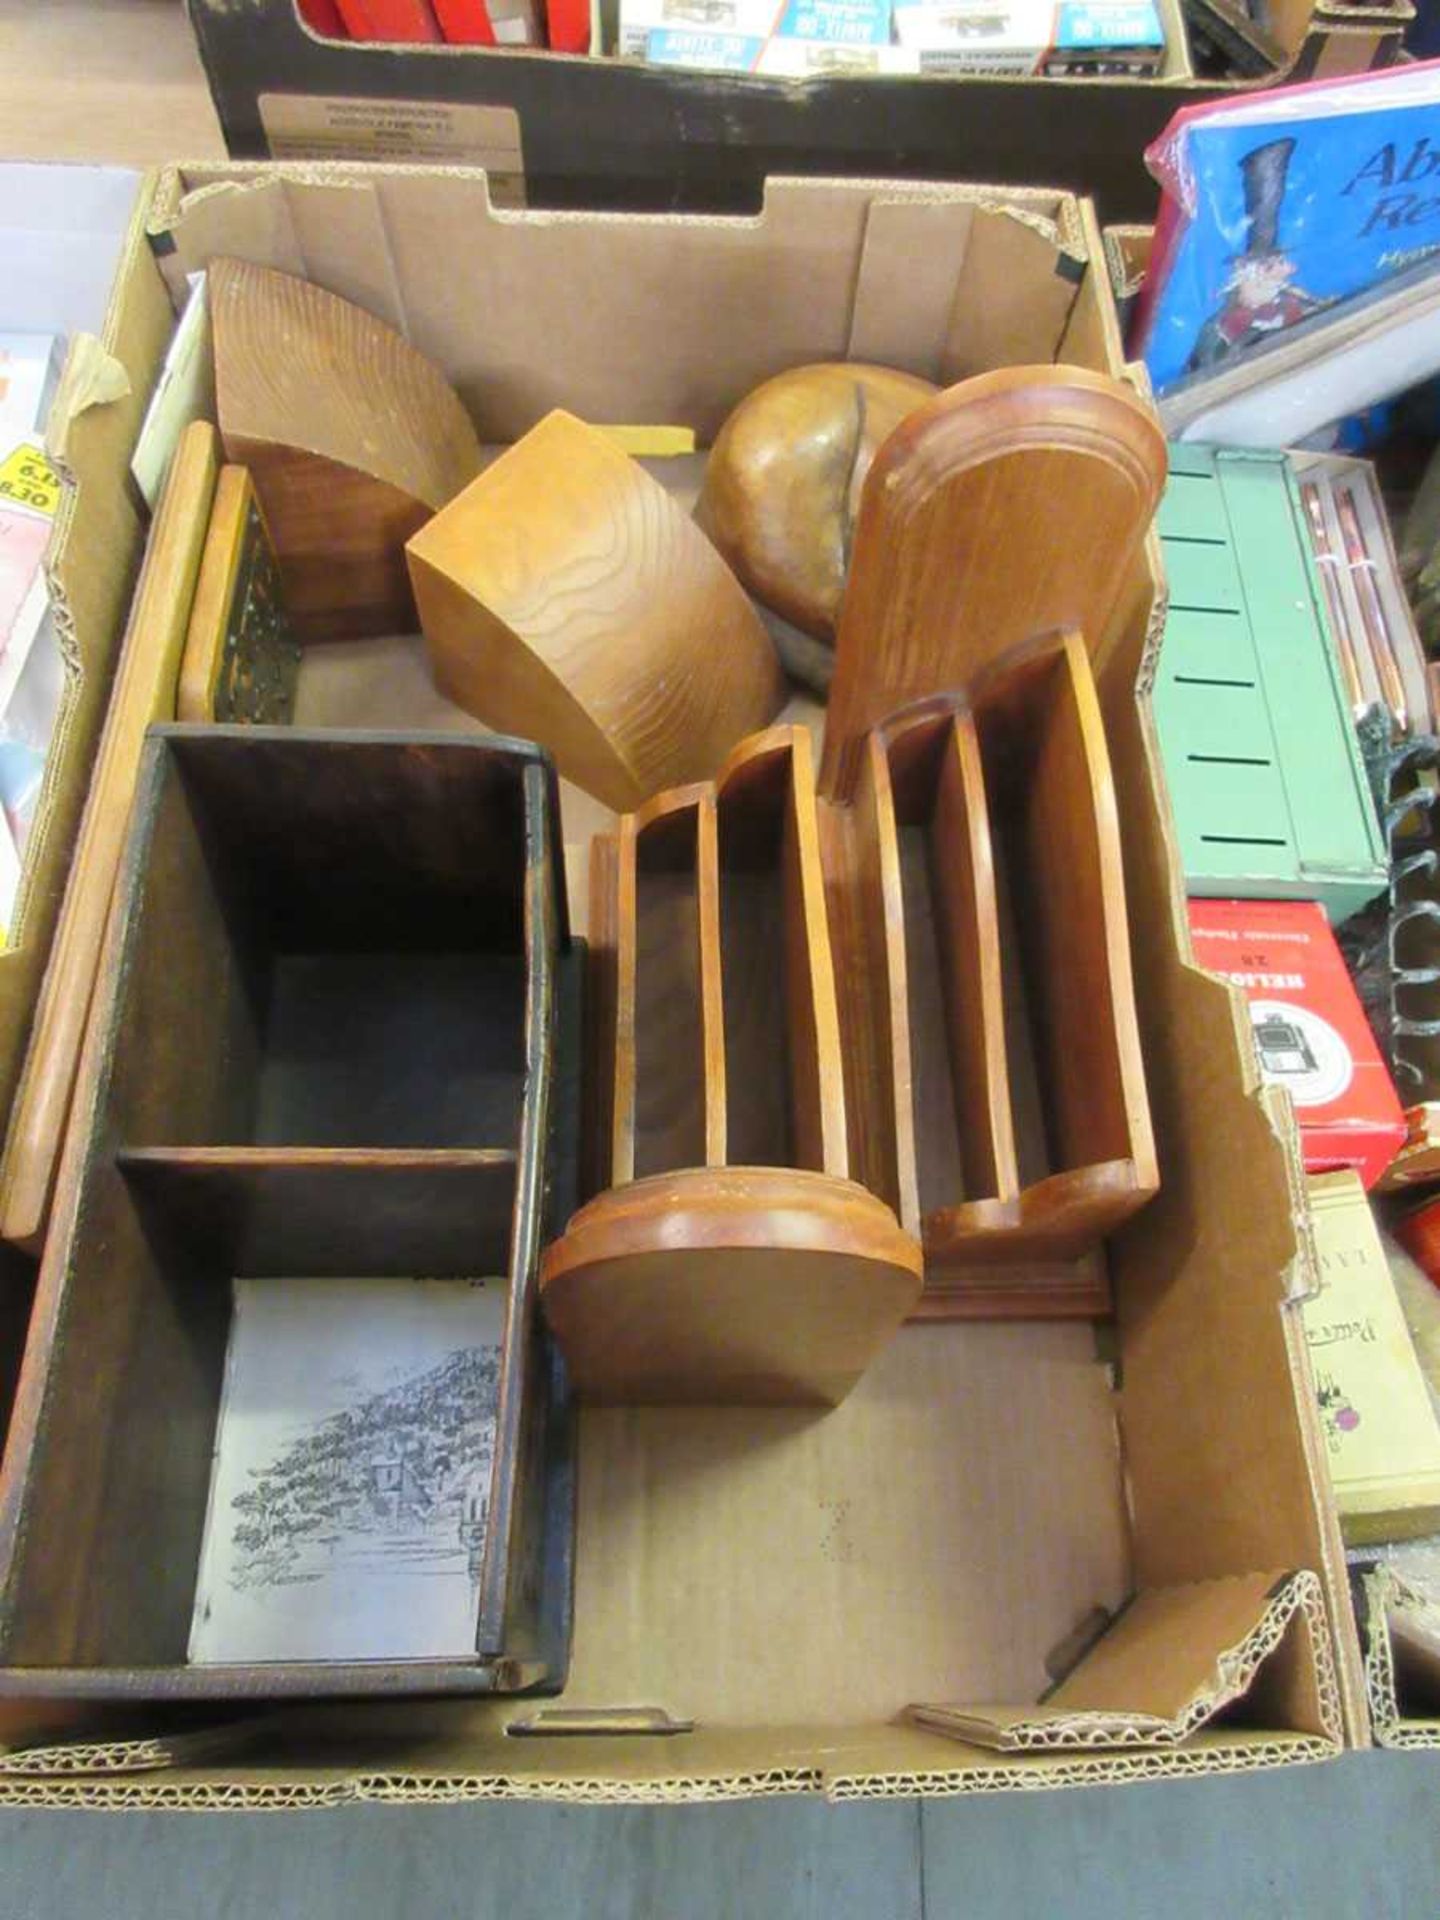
column 351, row 1479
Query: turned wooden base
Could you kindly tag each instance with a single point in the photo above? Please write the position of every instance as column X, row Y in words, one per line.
column 734, row 1285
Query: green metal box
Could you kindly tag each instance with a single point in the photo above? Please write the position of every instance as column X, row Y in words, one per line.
column 1260, row 751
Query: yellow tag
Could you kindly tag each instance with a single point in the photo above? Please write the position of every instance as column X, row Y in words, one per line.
column 652, row 443
column 28, row 479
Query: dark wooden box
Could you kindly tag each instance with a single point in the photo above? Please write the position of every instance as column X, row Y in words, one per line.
column 336, row 1033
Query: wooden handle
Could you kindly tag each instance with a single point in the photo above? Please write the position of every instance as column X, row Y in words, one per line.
column 1009, row 505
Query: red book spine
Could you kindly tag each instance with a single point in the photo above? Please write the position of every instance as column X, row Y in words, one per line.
column 568, row 25
column 323, row 17
column 393, row 20
column 465, row 23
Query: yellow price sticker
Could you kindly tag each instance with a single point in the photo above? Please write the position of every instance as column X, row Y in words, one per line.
column 27, row 478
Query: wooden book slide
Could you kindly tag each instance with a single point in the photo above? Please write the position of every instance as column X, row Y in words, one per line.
column 353, row 440
column 729, row 1258
column 330, row 1027
column 977, row 1075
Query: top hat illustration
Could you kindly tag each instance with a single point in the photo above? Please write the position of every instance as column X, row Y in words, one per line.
column 1262, row 174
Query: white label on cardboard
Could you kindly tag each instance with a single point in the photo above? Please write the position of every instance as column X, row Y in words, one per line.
column 309, row 126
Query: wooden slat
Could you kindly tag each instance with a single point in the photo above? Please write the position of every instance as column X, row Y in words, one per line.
column 435, row 1213
column 817, row 1081
column 712, row 994
column 962, row 878
column 622, row 1135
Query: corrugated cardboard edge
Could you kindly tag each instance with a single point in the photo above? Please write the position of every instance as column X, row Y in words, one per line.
column 1297, row 1596
column 258, row 1792
column 1383, row 1596
column 1052, row 213
column 127, row 1756
column 1302, row 1281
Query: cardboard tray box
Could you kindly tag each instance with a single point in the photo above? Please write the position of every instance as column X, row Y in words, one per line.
column 762, row 1594
column 570, row 131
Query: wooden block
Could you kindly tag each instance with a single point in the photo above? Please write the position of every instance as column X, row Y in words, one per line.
column 728, row 1287
column 241, row 660
column 144, row 691
column 783, row 481
column 352, row 438
column 1008, row 506
column 567, row 599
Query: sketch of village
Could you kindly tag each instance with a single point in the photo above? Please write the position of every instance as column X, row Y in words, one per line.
column 351, row 1483
column 401, row 1481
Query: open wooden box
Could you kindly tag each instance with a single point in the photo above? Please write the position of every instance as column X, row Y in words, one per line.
column 760, row 1594
column 338, row 994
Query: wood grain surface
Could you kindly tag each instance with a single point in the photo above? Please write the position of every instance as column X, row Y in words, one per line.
column 144, row 691
column 566, row 598
column 337, row 1211
column 784, row 478
column 353, row 440
column 728, row 1286
column 1007, row 506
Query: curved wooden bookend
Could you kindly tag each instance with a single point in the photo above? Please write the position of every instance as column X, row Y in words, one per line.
column 565, row 597
column 352, row 438
column 1010, row 505
column 728, row 1286
column 730, row 1258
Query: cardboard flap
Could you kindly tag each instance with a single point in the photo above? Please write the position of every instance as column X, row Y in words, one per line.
column 55, row 1753
column 1401, row 1632
column 1172, row 1660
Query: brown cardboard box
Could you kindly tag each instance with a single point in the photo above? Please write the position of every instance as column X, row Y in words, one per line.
column 784, row 1586
column 605, row 132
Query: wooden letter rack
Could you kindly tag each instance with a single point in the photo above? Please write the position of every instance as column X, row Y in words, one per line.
column 885, row 1027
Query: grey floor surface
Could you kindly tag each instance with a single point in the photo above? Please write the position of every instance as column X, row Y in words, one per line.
column 1359, row 1837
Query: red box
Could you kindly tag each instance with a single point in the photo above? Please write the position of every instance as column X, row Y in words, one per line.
column 1310, row 1030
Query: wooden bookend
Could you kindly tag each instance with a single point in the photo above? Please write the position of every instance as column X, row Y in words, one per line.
column 565, row 597
column 728, row 1259
column 241, row 660
column 332, row 1061
column 144, row 691
column 1007, row 506
column 353, row 440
